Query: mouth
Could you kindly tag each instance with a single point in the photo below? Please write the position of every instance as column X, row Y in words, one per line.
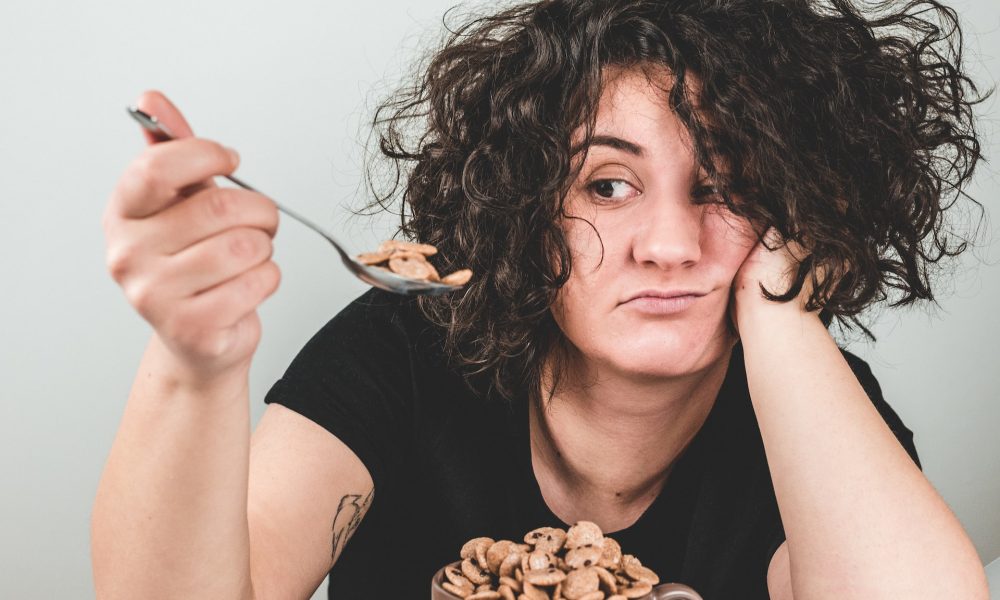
column 654, row 293
column 654, row 302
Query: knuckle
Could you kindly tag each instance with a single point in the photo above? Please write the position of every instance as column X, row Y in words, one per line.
column 255, row 282
column 242, row 244
column 172, row 328
column 220, row 203
column 271, row 213
column 146, row 171
column 221, row 155
column 118, row 260
column 274, row 274
column 140, row 295
column 188, row 328
column 117, row 267
column 268, row 244
column 261, row 282
column 249, row 243
column 250, row 283
column 211, row 345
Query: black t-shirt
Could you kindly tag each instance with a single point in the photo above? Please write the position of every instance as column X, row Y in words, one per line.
column 449, row 466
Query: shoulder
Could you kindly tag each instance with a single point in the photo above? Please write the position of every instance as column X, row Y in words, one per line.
column 375, row 323
column 376, row 310
column 375, row 341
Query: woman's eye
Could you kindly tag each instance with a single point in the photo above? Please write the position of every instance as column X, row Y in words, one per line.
column 610, row 189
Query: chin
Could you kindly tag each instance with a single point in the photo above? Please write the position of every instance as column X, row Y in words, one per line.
column 663, row 357
column 665, row 365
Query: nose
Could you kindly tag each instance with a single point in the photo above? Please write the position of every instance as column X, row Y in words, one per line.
column 668, row 234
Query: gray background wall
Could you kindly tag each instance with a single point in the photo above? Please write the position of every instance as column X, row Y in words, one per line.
column 290, row 85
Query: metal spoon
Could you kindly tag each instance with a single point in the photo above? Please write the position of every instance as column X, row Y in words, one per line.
column 370, row 275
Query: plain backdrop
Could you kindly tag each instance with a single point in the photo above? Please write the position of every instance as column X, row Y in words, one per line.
column 291, row 85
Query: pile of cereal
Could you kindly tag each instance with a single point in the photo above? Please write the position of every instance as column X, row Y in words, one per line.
column 551, row 564
column 409, row 259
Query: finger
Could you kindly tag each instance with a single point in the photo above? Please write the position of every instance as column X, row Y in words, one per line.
column 213, row 261
column 155, row 179
column 230, row 301
column 155, row 103
column 205, row 214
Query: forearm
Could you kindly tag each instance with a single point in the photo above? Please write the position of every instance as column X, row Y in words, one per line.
column 860, row 518
column 169, row 519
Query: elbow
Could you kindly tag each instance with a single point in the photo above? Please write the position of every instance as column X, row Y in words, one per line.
column 961, row 579
column 980, row 589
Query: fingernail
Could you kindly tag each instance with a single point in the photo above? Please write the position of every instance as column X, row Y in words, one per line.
column 233, row 154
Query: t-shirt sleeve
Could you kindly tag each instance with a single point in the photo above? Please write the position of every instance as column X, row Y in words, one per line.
column 871, row 386
column 353, row 379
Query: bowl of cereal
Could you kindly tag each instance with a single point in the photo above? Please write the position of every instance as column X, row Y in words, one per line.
column 580, row 563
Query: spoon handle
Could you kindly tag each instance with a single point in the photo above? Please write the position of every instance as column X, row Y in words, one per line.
column 162, row 134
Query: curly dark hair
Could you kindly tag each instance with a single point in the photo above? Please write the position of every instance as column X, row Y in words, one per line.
column 868, row 119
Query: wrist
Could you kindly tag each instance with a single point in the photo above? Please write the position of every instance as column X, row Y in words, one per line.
column 769, row 317
column 177, row 377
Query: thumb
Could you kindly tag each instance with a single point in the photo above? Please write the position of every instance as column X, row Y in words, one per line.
column 154, row 103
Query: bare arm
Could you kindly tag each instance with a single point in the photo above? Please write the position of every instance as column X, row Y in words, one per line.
column 861, row 520
column 308, row 495
column 177, row 516
column 169, row 519
column 187, row 507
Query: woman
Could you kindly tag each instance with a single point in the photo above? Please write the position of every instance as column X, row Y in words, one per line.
column 585, row 159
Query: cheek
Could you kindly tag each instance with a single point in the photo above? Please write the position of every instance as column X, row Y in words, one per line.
column 585, row 254
column 733, row 258
column 578, row 313
column 597, row 240
column 569, row 307
column 732, row 239
column 583, row 240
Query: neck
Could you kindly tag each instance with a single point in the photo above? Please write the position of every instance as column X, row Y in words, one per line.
column 602, row 452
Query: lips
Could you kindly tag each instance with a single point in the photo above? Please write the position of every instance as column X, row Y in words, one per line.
column 660, row 303
column 653, row 293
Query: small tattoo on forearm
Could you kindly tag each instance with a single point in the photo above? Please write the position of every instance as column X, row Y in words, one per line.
column 350, row 510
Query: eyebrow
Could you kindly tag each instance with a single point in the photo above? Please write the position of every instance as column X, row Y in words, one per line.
column 612, row 142
column 618, row 144
column 615, row 142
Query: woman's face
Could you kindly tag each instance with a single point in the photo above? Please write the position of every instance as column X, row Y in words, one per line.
column 640, row 197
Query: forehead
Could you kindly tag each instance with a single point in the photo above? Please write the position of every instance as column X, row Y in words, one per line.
column 634, row 103
column 651, row 80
